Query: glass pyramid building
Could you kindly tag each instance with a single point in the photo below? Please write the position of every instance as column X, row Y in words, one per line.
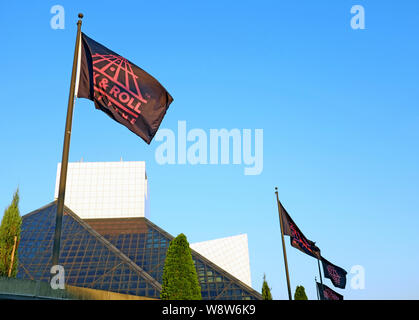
column 124, row 255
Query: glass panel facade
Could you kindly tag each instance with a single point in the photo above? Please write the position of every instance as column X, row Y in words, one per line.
column 146, row 245
column 129, row 261
column 88, row 261
column 136, row 239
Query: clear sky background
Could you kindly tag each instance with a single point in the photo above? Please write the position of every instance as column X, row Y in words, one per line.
column 338, row 108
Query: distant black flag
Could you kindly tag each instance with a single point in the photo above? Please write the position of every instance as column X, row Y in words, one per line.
column 125, row 92
column 328, row 294
column 298, row 240
column 336, row 274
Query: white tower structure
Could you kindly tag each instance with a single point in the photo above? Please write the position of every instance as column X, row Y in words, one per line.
column 106, row 189
column 230, row 253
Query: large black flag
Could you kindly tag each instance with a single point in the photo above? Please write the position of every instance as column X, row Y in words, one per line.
column 328, row 294
column 125, row 92
column 298, row 240
column 336, row 274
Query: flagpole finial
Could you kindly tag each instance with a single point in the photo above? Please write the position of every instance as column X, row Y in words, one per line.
column 276, row 189
column 81, row 15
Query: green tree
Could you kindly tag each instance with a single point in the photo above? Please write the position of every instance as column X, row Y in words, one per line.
column 180, row 281
column 300, row 293
column 266, row 291
column 9, row 229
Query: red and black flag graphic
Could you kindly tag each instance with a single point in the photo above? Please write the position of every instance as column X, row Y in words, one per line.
column 327, row 294
column 298, row 240
column 336, row 274
column 125, row 92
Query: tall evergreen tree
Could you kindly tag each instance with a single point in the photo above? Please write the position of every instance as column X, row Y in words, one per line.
column 9, row 229
column 266, row 291
column 180, row 280
column 300, row 293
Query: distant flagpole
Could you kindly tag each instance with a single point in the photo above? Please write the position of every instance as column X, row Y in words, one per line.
column 66, row 149
column 317, row 288
column 320, row 273
column 283, row 244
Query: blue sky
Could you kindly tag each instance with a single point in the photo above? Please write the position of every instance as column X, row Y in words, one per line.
column 338, row 108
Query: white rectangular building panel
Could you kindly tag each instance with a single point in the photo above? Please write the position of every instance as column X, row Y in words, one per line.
column 230, row 254
column 106, row 189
